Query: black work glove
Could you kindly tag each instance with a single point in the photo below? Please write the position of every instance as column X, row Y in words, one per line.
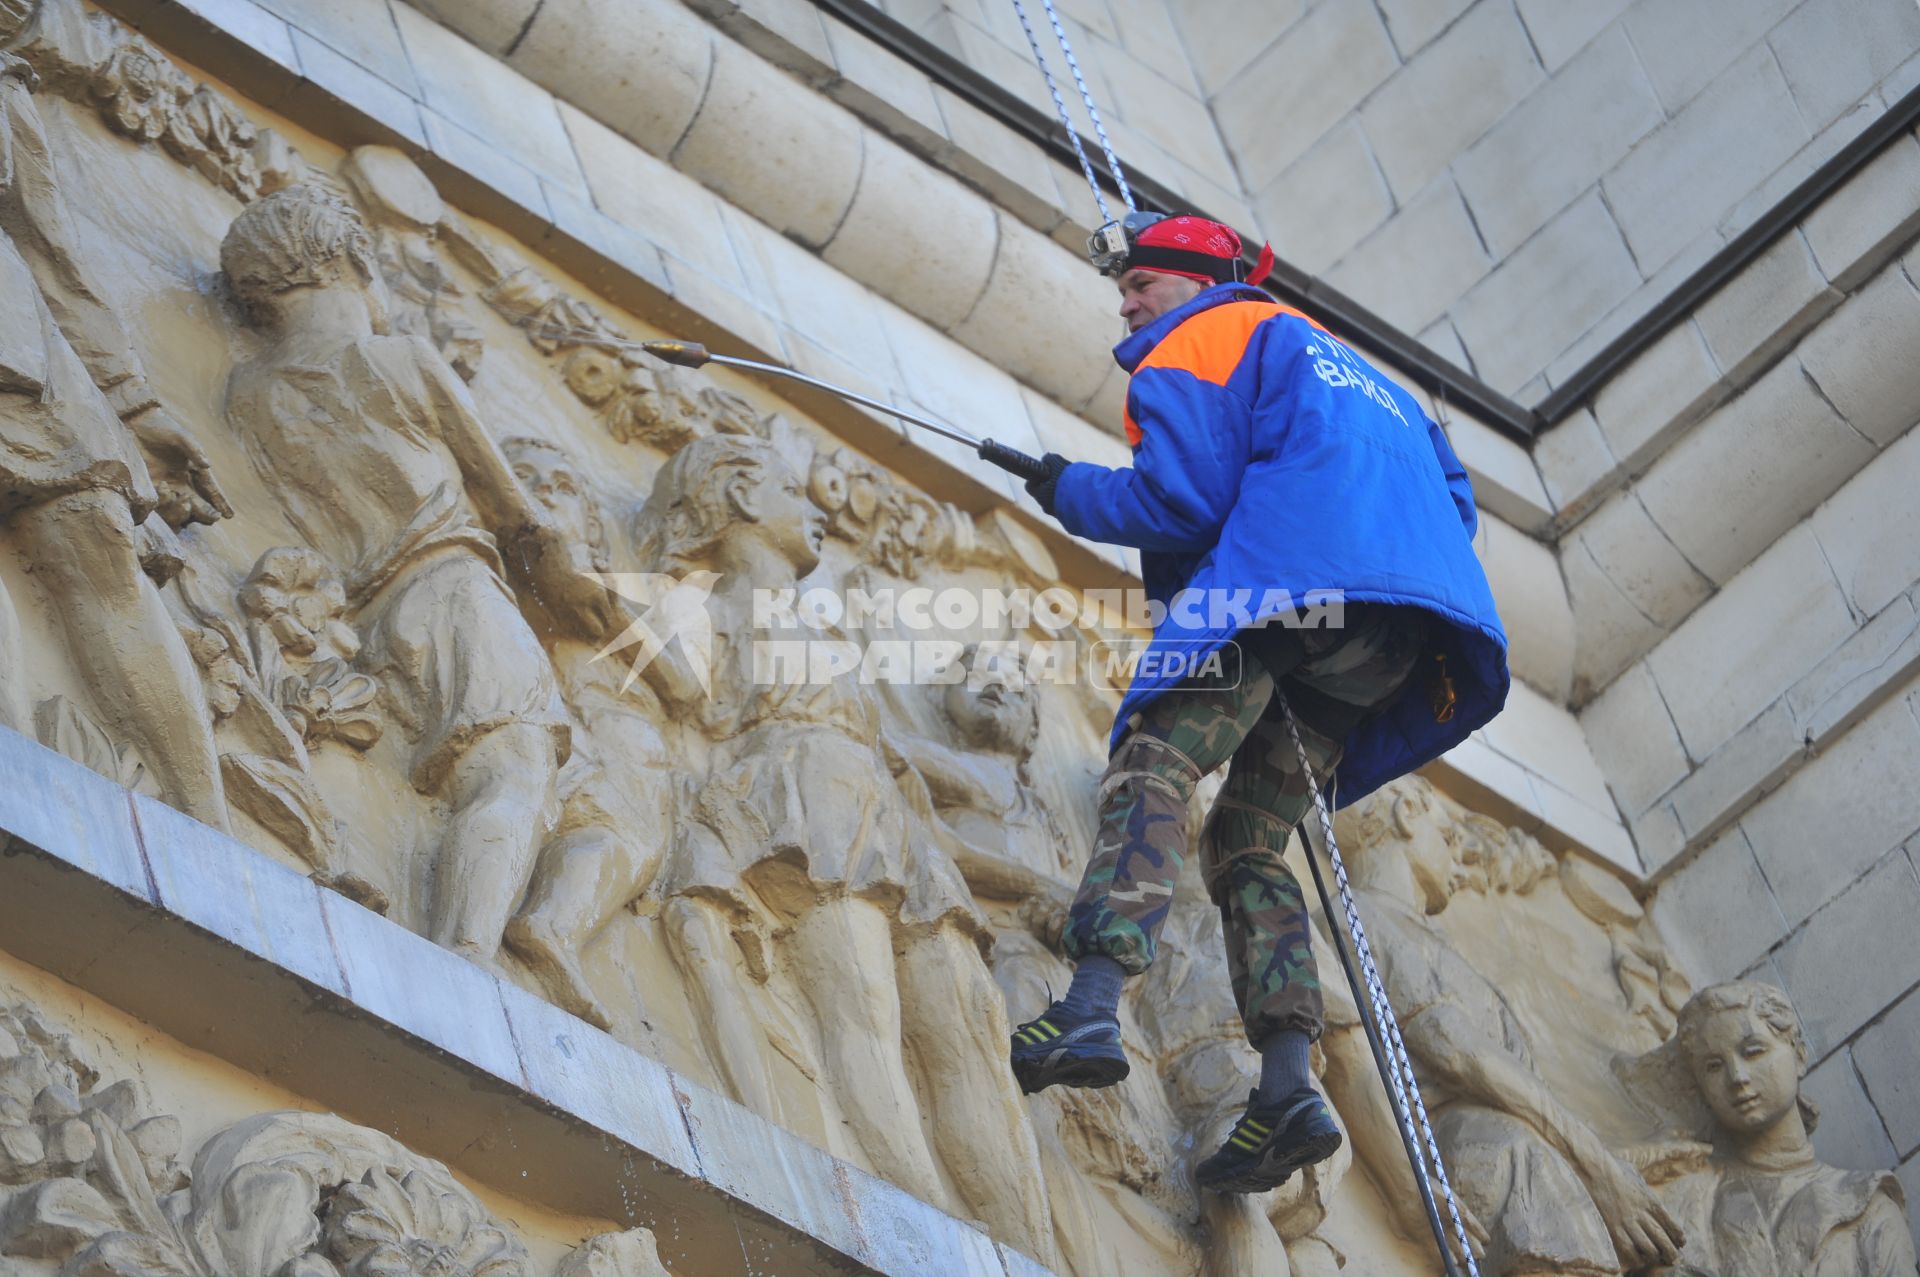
column 1041, row 488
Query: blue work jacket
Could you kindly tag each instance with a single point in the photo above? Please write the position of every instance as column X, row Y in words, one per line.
column 1273, row 465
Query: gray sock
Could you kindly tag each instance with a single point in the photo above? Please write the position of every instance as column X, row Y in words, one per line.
column 1283, row 1065
column 1096, row 986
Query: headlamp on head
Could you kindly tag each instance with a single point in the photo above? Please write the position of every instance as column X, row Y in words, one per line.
column 1110, row 246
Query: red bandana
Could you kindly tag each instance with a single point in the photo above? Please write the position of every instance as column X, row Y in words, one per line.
column 1179, row 236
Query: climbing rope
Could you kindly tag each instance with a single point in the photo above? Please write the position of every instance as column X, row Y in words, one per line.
column 1383, row 1029
column 1066, row 120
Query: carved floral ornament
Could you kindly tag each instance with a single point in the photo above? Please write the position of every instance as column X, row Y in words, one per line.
column 91, row 1184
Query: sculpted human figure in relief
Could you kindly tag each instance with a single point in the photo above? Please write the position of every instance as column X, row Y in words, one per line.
column 1756, row 1201
column 87, row 455
column 375, row 448
column 802, row 816
column 1547, row 1193
column 616, row 791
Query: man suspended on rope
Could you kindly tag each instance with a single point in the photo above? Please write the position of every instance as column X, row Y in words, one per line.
column 1299, row 515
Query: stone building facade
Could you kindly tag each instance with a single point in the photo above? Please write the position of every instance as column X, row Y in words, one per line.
column 356, row 914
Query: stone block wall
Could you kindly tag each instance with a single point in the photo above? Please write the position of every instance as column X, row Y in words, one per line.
column 1742, row 576
column 1517, row 180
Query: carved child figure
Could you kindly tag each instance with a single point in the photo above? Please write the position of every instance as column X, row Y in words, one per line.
column 617, row 791
column 1762, row 1205
column 377, row 451
column 1551, row 1196
column 79, row 429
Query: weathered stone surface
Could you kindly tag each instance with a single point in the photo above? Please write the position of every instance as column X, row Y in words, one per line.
column 1680, row 179
column 1412, row 23
column 1751, row 471
column 1526, row 583
column 344, row 80
column 494, row 27
column 1840, row 813
column 1751, row 761
column 1449, row 94
column 1063, row 347
column 505, row 176
column 1221, row 49
column 1326, row 201
column 1538, row 733
column 1909, row 1177
column 1884, row 653
column 764, row 142
column 1169, row 115
column 1571, row 129
column 1282, row 83
column 1857, row 357
column 1560, row 31
column 1835, row 992
column 1658, row 836
column 1610, row 632
column 1687, row 44
column 1884, row 1056
column 1722, row 906
column 1569, row 817
column 1546, row 294
column 645, row 193
column 1575, row 462
column 1637, row 556
column 489, row 99
column 1855, row 230
column 1147, row 30
column 944, row 274
column 1875, row 557
column 231, row 890
column 642, row 69
column 1850, row 1134
column 1766, row 308
column 1417, row 264
column 789, row 36
column 1748, row 644
column 1835, row 51
column 362, row 30
column 879, row 85
column 1719, row 910
column 1505, row 479
column 991, row 156
column 1634, row 741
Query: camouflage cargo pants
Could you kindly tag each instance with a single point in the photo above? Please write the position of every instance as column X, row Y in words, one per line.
column 1332, row 679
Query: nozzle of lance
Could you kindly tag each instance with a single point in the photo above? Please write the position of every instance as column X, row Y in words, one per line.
column 688, row 354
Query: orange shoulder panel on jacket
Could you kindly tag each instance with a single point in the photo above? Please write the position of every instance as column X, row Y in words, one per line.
column 1211, row 344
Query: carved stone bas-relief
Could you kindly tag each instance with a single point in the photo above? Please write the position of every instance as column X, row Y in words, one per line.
column 469, row 629
column 93, row 1183
column 1740, row 1169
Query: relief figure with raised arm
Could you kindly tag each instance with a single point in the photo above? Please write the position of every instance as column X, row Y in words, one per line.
column 375, row 447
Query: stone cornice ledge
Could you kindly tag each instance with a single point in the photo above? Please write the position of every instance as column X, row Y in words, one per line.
column 231, row 953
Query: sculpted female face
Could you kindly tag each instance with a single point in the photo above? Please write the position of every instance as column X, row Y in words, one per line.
column 785, row 516
column 1746, row 1071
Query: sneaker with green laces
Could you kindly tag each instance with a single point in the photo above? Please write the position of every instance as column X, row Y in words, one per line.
column 1270, row 1142
column 1062, row 1048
